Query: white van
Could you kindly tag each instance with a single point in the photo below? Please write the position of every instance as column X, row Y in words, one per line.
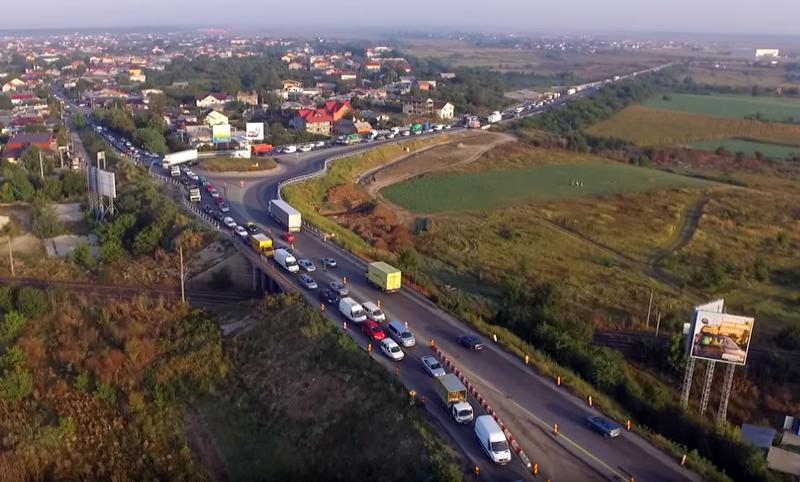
column 492, row 439
column 398, row 331
column 287, row 260
column 352, row 310
column 374, row 312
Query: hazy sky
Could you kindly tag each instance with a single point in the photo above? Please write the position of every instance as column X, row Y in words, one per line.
column 701, row 16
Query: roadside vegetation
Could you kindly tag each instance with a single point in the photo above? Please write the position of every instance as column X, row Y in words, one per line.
column 774, row 109
column 235, row 164
column 297, row 392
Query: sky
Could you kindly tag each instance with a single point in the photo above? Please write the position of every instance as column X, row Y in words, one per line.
column 766, row 17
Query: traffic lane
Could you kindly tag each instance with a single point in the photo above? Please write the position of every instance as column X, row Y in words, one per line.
column 504, row 370
column 414, row 377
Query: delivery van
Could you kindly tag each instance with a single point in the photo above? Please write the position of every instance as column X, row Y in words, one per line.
column 492, row 439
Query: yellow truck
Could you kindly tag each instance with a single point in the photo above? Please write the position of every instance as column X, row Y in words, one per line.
column 262, row 244
column 384, row 277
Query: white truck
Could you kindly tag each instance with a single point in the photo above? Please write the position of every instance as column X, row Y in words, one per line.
column 352, row 310
column 178, row 158
column 494, row 117
column 175, row 171
column 454, row 395
column 194, row 195
column 285, row 214
column 286, row 260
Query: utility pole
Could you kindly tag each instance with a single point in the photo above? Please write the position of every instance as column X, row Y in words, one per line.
column 10, row 254
column 649, row 307
column 658, row 323
column 41, row 165
column 183, row 292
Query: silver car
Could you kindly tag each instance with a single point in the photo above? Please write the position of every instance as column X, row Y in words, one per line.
column 306, row 265
column 307, row 282
column 339, row 288
column 432, row 366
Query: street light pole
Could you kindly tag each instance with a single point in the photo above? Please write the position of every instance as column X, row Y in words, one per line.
column 183, row 292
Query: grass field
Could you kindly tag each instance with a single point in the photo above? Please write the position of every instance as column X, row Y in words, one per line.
column 741, row 76
column 235, row 164
column 658, row 127
column 494, row 189
column 733, row 106
column 749, row 148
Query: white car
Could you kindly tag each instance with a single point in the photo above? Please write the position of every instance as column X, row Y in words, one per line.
column 391, row 349
column 390, row 135
column 191, row 175
column 320, row 144
column 305, row 148
column 307, row 281
column 432, row 366
column 241, row 231
column 229, row 222
column 214, row 193
column 306, row 265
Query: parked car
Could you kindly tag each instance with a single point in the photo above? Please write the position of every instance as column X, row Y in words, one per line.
column 307, row 282
column 306, row 265
column 223, row 206
column 373, row 330
column 288, row 237
column 432, row 366
column 471, row 342
column 214, row 193
column 241, row 231
column 329, row 297
column 329, row 262
column 339, row 288
column 208, row 209
column 604, row 426
column 229, row 222
column 391, row 349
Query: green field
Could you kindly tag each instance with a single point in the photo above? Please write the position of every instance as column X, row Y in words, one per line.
column 734, row 106
column 492, row 189
column 749, row 148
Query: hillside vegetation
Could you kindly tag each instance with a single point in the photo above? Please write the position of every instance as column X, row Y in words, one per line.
column 304, row 402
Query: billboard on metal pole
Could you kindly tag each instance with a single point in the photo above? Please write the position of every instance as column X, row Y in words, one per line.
column 254, row 131
column 92, row 175
column 221, row 134
column 106, row 183
column 721, row 337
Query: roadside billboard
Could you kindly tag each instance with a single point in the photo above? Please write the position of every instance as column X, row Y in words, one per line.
column 254, row 131
column 106, row 183
column 722, row 337
column 220, row 134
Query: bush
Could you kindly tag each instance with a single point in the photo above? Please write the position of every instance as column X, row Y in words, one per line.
column 789, row 337
column 6, row 299
column 82, row 256
column 32, row 302
column 16, row 384
column 45, row 221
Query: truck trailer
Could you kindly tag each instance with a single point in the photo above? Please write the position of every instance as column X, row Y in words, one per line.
column 454, row 395
column 384, row 276
column 194, row 195
column 177, row 158
column 285, row 214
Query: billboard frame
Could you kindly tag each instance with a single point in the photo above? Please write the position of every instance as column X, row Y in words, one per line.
column 726, row 326
column 221, row 134
column 257, row 131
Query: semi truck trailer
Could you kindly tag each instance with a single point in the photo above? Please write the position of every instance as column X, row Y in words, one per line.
column 285, row 214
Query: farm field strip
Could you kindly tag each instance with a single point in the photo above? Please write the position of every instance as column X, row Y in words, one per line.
column 749, row 148
column 732, row 106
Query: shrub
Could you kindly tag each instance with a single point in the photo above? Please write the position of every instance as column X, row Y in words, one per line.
column 12, row 325
column 221, row 279
column 16, row 385
column 32, row 302
column 789, row 337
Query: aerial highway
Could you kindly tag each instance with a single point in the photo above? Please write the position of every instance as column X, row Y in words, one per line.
column 528, row 403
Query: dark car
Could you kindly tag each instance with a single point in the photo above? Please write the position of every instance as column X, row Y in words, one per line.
column 252, row 228
column 328, row 262
column 208, row 209
column 471, row 342
column 218, row 215
column 604, row 426
column 329, row 297
column 339, row 288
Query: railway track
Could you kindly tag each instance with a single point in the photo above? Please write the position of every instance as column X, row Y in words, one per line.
column 196, row 298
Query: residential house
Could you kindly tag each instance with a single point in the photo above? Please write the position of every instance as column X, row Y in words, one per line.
column 424, row 107
column 295, row 66
column 447, row 75
column 347, row 126
column 338, row 109
column 23, row 98
column 372, row 66
column 214, row 118
column 247, row 97
column 12, row 85
column 316, row 121
column 136, row 75
column 426, row 85
column 211, row 99
column 17, row 144
column 292, row 86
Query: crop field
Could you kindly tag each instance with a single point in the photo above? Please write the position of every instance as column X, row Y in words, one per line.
column 741, row 76
column 749, row 148
column 733, row 106
column 494, row 189
column 659, row 127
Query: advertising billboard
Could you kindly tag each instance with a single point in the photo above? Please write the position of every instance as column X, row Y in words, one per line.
column 722, row 337
column 92, row 175
column 221, row 133
column 255, row 131
column 106, row 183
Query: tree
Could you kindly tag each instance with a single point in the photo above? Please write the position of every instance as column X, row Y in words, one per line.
column 82, row 256
column 5, row 102
column 32, row 302
column 62, row 139
column 78, row 119
column 45, row 220
column 761, row 270
column 73, row 184
column 20, row 185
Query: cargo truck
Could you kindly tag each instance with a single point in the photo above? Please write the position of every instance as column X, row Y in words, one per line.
column 384, row 277
column 177, row 158
column 194, row 195
column 416, row 129
column 454, row 395
column 261, row 149
column 175, row 171
column 261, row 244
column 285, row 214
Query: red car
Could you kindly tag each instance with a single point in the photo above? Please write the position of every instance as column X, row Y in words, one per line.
column 288, row 237
column 219, row 200
column 373, row 330
column 209, row 187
